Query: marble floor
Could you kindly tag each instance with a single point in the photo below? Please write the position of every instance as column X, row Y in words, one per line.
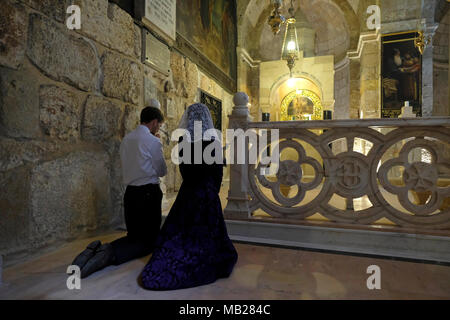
column 261, row 273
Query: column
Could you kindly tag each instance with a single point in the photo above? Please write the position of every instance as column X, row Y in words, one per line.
column 370, row 80
column 342, row 90
column 238, row 199
column 355, row 89
column 427, row 73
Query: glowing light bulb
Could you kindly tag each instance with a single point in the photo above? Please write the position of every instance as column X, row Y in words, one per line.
column 291, row 82
column 291, row 46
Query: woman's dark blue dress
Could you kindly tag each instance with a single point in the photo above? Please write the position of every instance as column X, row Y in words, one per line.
column 193, row 247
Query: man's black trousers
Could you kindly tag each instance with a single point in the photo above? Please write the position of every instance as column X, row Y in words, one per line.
column 142, row 206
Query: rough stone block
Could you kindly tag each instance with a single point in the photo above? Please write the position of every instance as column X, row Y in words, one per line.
column 68, row 196
column 14, row 210
column 19, row 103
column 137, row 42
column 167, row 148
column 177, row 67
column 13, row 34
column 123, row 78
column 170, row 177
column 150, row 90
column 15, row 153
column 55, row 9
column 60, row 55
column 108, row 24
column 132, row 118
column 117, row 193
column 192, row 77
column 102, row 119
column 116, row 181
column 60, row 112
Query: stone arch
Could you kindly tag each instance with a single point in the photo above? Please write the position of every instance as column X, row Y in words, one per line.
column 441, row 9
column 281, row 88
column 295, row 75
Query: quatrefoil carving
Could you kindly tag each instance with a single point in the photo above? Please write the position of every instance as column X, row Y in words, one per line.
column 290, row 173
column 419, row 177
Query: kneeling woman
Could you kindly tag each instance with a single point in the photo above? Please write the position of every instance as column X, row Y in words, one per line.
column 193, row 247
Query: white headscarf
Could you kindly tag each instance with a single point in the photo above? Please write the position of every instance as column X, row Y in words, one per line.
column 198, row 116
column 155, row 103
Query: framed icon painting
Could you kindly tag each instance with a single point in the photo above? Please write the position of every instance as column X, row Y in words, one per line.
column 401, row 74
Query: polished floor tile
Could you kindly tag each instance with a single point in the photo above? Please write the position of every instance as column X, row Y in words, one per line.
column 261, row 273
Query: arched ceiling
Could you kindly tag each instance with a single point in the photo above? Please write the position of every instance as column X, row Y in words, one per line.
column 442, row 8
column 335, row 22
column 440, row 40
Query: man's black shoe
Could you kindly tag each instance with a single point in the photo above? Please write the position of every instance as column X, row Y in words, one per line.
column 87, row 254
column 102, row 258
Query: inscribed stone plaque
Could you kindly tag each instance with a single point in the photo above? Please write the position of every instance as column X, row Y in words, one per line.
column 162, row 14
column 157, row 54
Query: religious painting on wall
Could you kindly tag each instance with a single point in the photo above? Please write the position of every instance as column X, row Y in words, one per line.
column 215, row 108
column 207, row 34
column 301, row 105
column 401, row 74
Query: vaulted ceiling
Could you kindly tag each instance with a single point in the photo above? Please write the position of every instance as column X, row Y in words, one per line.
column 335, row 22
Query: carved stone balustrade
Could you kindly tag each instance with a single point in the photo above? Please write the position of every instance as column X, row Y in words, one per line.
column 407, row 191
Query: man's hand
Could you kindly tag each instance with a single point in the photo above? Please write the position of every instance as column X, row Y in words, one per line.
column 157, row 135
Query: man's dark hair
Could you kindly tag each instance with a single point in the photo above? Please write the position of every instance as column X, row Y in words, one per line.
column 148, row 114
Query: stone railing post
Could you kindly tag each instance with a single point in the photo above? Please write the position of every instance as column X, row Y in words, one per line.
column 237, row 206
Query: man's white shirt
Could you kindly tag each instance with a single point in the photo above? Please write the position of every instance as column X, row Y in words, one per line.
column 142, row 158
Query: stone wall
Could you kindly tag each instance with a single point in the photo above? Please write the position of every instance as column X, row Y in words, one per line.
column 67, row 98
column 370, row 80
column 342, row 92
column 355, row 89
column 393, row 11
column 441, row 76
